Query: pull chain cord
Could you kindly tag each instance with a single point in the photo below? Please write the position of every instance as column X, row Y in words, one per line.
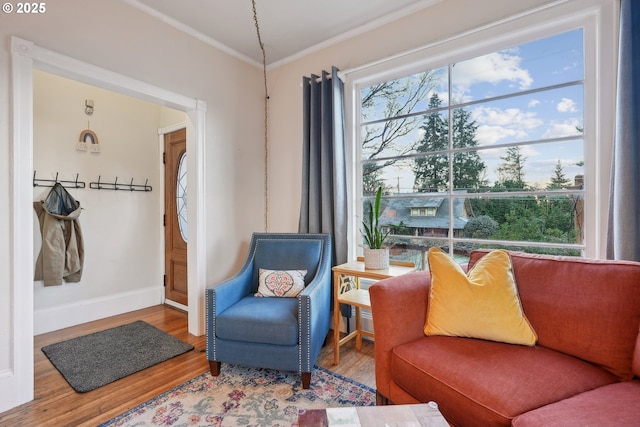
column 266, row 121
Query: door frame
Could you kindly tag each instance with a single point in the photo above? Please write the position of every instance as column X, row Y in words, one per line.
column 17, row 382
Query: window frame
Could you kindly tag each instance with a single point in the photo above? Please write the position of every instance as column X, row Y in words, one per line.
column 599, row 22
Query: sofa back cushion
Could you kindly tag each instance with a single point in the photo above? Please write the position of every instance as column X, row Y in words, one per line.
column 589, row 309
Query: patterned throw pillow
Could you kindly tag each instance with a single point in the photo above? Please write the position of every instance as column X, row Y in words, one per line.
column 280, row 283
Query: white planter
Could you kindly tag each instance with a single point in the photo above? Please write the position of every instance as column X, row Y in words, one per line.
column 376, row 259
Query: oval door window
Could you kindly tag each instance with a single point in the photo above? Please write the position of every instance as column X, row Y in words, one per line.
column 181, row 196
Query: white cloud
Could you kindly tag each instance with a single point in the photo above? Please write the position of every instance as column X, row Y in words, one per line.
column 489, row 135
column 492, row 68
column 561, row 129
column 566, row 106
column 512, row 117
column 533, row 103
column 570, row 67
column 495, row 124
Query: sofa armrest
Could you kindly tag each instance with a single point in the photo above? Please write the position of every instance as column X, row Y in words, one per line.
column 399, row 310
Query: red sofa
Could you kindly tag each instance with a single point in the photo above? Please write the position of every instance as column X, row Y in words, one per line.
column 584, row 369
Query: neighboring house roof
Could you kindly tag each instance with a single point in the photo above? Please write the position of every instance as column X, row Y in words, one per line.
column 399, row 211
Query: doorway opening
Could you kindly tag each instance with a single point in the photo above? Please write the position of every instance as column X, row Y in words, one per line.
column 16, row 386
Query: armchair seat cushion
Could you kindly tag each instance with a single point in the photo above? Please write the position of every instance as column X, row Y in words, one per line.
column 260, row 320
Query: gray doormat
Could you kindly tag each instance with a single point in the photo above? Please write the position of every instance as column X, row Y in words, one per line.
column 93, row 360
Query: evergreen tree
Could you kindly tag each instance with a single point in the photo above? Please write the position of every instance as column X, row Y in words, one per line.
column 511, row 172
column 468, row 167
column 559, row 209
column 432, row 172
column 559, row 179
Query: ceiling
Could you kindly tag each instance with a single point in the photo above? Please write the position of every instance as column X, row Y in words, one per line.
column 288, row 28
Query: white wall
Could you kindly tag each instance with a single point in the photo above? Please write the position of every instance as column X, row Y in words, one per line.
column 121, row 229
column 120, row 38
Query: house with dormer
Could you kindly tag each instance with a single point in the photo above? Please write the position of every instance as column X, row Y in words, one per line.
column 425, row 216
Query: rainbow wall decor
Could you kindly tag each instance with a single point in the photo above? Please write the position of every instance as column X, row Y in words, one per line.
column 88, row 140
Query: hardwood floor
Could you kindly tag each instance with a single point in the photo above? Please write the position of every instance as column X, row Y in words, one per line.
column 57, row 404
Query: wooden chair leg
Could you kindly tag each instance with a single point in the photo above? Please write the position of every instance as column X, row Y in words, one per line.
column 306, row 380
column 214, row 367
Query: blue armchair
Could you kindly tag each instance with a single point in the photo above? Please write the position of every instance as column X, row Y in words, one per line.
column 272, row 332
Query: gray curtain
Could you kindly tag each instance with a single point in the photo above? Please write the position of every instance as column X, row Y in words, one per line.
column 324, row 190
column 623, row 239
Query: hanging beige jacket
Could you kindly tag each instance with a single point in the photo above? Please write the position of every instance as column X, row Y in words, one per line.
column 62, row 252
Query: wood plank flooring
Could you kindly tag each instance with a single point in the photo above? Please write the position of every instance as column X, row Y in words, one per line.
column 57, row 404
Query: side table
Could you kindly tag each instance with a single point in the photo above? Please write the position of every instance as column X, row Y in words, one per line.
column 358, row 297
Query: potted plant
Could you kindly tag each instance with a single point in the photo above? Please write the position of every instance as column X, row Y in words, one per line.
column 376, row 257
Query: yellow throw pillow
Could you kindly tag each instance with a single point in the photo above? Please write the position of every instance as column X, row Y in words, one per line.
column 483, row 303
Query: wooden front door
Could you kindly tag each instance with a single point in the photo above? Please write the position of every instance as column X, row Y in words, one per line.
column 175, row 220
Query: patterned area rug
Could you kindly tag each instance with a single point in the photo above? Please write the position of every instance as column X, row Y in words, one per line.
column 248, row 397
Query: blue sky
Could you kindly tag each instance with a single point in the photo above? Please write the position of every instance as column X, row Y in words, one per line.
column 551, row 113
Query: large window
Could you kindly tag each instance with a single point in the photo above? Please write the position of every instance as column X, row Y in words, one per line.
column 488, row 151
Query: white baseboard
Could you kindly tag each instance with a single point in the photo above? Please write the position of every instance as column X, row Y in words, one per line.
column 63, row 316
column 176, row 305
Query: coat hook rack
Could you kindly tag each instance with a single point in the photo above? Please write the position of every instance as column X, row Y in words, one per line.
column 116, row 186
column 40, row 182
